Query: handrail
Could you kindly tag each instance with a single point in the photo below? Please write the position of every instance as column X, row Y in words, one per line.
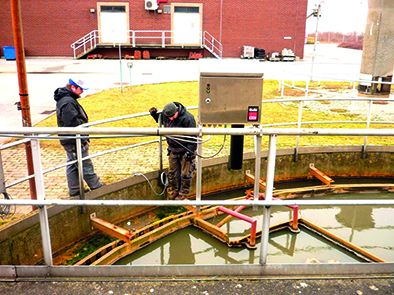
column 212, row 45
column 163, row 38
column 150, row 131
column 266, row 204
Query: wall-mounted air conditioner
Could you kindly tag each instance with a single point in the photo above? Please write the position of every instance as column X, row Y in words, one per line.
column 151, row 5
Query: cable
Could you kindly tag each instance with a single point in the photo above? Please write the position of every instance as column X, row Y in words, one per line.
column 198, row 155
column 6, row 209
column 163, row 180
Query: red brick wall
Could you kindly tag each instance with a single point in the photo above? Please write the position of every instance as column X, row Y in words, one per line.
column 50, row 26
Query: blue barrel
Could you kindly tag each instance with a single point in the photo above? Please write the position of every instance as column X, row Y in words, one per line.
column 9, row 52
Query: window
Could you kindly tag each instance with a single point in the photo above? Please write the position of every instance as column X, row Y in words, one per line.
column 113, row 8
column 186, row 9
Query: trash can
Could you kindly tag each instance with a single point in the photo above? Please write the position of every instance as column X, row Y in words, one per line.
column 9, row 52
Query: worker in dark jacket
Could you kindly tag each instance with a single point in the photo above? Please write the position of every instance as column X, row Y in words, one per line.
column 71, row 114
column 181, row 150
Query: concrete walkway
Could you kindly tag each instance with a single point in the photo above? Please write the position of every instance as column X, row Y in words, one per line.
column 230, row 286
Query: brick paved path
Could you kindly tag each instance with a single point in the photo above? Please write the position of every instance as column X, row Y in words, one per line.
column 110, row 167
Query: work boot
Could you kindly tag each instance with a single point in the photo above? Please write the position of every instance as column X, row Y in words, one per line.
column 171, row 194
column 77, row 193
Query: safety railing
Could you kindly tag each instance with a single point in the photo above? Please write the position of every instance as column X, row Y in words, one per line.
column 140, row 38
column 212, row 45
column 85, row 43
column 299, row 123
column 36, row 134
column 335, row 97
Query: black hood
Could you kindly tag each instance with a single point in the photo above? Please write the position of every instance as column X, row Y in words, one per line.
column 62, row 92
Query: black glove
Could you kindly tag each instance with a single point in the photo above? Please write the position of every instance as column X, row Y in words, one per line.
column 153, row 111
column 189, row 156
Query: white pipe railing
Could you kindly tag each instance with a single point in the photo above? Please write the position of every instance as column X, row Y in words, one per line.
column 338, row 97
column 162, row 38
column 253, row 131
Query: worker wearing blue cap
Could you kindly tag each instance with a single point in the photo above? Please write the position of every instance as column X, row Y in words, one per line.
column 71, row 114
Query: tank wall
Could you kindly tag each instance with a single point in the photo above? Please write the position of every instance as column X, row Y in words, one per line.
column 20, row 242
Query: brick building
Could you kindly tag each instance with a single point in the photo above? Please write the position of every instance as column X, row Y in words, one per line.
column 164, row 27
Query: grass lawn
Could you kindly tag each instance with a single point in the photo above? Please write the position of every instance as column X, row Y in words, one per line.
column 136, row 99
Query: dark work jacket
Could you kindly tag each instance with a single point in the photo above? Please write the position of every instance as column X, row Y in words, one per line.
column 69, row 113
column 185, row 119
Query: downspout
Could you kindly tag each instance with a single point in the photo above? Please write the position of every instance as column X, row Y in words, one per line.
column 23, row 90
column 221, row 21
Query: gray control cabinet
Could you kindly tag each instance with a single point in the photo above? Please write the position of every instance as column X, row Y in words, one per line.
column 230, row 98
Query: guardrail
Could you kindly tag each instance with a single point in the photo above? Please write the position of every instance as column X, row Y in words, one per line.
column 140, row 38
column 338, row 97
column 36, row 134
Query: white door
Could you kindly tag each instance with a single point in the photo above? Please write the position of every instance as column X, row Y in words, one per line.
column 114, row 24
column 186, row 25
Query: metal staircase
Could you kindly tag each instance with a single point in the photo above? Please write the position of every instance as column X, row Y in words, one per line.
column 145, row 38
column 212, row 45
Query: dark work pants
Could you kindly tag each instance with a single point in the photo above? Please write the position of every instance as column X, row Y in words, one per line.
column 89, row 175
column 180, row 173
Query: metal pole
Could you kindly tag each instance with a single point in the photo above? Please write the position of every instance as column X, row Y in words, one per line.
column 265, row 235
column 43, row 214
column 221, row 21
column 282, row 88
column 160, row 148
column 80, row 169
column 369, row 112
column 2, row 178
column 23, row 89
column 45, row 236
column 299, row 122
column 270, row 167
column 199, row 168
column 315, row 43
column 120, row 68
column 256, row 189
column 268, row 197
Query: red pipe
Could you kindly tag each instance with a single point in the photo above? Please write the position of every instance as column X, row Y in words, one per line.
column 246, row 218
column 294, row 224
column 236, row 214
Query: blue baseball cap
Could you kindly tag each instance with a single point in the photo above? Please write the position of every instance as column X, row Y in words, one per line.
column 78, row 83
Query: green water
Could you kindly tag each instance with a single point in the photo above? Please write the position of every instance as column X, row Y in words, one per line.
column 370, row 227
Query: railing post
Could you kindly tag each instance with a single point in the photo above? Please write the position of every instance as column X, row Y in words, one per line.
column 306, row 88
column 80, row 170
column 282, row 88
column 368, row 123
column 354, row 89
column 270, row 168
column 2, row 176
column 299, row 123
column 256, row 189
column 163, row 39
column 268, row 197
column 199, row 168
column 133, row 38
column 43, row 214
column 160, row 148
